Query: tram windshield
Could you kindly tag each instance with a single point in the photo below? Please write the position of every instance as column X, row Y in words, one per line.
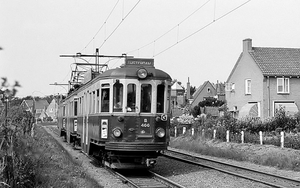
column 160, row 98
column 105, row 98
column 146, row 95
column 131, row 98
column 118, row 97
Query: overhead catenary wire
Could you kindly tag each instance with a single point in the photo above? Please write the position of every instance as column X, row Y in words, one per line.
column 214, row 20
column 176, row 26
column 119, row 24
column 104, row 23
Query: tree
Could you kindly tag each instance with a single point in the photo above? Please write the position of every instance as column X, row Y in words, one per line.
column 196, row 111
column 210, row 101
column 192, row 90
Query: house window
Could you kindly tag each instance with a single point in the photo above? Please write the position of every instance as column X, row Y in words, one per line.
column 208, row 90
column 248, row 86
column 283, row 85
column 229, row 86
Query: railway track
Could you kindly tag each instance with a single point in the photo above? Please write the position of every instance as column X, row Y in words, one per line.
column 239, row 171
column 134, row 178
column 139, row 178
column 145, row 178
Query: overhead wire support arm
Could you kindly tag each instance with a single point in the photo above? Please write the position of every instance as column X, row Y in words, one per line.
column 56, row 84
column 90, row 64
column 93, row 55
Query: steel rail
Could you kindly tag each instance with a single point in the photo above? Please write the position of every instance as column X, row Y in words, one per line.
column 145, row 178
column 172, row 183
column 281, row 178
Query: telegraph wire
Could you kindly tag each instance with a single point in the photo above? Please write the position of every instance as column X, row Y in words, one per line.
column 176, row 26
column 102, row 25
column 119, row 24
column 202, row 28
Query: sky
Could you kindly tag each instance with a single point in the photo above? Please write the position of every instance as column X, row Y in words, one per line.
column 199, row 40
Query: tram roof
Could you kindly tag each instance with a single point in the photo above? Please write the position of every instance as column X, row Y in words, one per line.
column 131, row 72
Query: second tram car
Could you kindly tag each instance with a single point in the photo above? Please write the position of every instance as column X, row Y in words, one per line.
column 121, row 116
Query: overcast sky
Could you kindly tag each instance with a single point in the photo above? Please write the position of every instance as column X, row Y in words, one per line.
column 199, row 39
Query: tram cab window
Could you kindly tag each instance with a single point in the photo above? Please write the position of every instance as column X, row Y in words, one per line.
column 160, row 98
column 131, row 98
column 169, row 100
column 118, row 97
column 105, row 98
column 146, row 96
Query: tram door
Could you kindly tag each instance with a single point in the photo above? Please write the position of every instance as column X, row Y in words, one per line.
column 84, row 139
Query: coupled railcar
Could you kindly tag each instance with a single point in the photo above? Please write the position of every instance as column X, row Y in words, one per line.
column 121, row 116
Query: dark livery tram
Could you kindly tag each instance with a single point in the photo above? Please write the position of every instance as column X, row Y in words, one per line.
column 121, row 116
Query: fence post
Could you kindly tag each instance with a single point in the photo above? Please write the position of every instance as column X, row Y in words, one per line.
column 260, row 138
column 227, row 136
column 242, row 137
column 282, row 139
column 215, row 132
column 193, row 131
column 183, row 130
column 175, row 131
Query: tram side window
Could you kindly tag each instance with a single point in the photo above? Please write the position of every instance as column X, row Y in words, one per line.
column 75, row 108
column 160, row 98
column 131, row 97
column 105, row 98
column 118, row 97
column 64, row 111
column 98, row 101
column 146, row 96
column 94, row 102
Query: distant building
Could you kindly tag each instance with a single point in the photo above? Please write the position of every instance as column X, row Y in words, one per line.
column 177, row 95
column 36, row 106
column 51, row 110
column 208, row 90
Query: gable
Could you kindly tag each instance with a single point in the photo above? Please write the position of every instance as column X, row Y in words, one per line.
column 202, row 92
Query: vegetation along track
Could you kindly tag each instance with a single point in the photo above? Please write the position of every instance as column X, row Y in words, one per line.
column 239, row 171
column 145, row 178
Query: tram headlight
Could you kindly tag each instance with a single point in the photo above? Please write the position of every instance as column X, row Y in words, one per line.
column 160, row 132
column 117, row 132
column 142, row 73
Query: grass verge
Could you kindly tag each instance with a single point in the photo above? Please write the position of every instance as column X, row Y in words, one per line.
column 280, row 159
column 54, row 166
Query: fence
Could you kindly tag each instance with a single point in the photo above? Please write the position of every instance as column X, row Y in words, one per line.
column 184, row 130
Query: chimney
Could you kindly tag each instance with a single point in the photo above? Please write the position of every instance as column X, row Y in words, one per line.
column 188, row 89
column 247, row 45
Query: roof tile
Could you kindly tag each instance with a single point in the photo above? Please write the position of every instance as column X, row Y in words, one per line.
column 277, row 61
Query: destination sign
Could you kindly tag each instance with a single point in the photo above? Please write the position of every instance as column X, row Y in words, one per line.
column 139, row 62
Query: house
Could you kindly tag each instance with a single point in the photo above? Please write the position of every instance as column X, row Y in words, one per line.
column 263, row 80
column 208, row 90
column 51, row 110
column 177, row 95
column 40, row 106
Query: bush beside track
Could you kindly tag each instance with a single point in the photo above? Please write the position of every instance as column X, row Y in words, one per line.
column 40, row 161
